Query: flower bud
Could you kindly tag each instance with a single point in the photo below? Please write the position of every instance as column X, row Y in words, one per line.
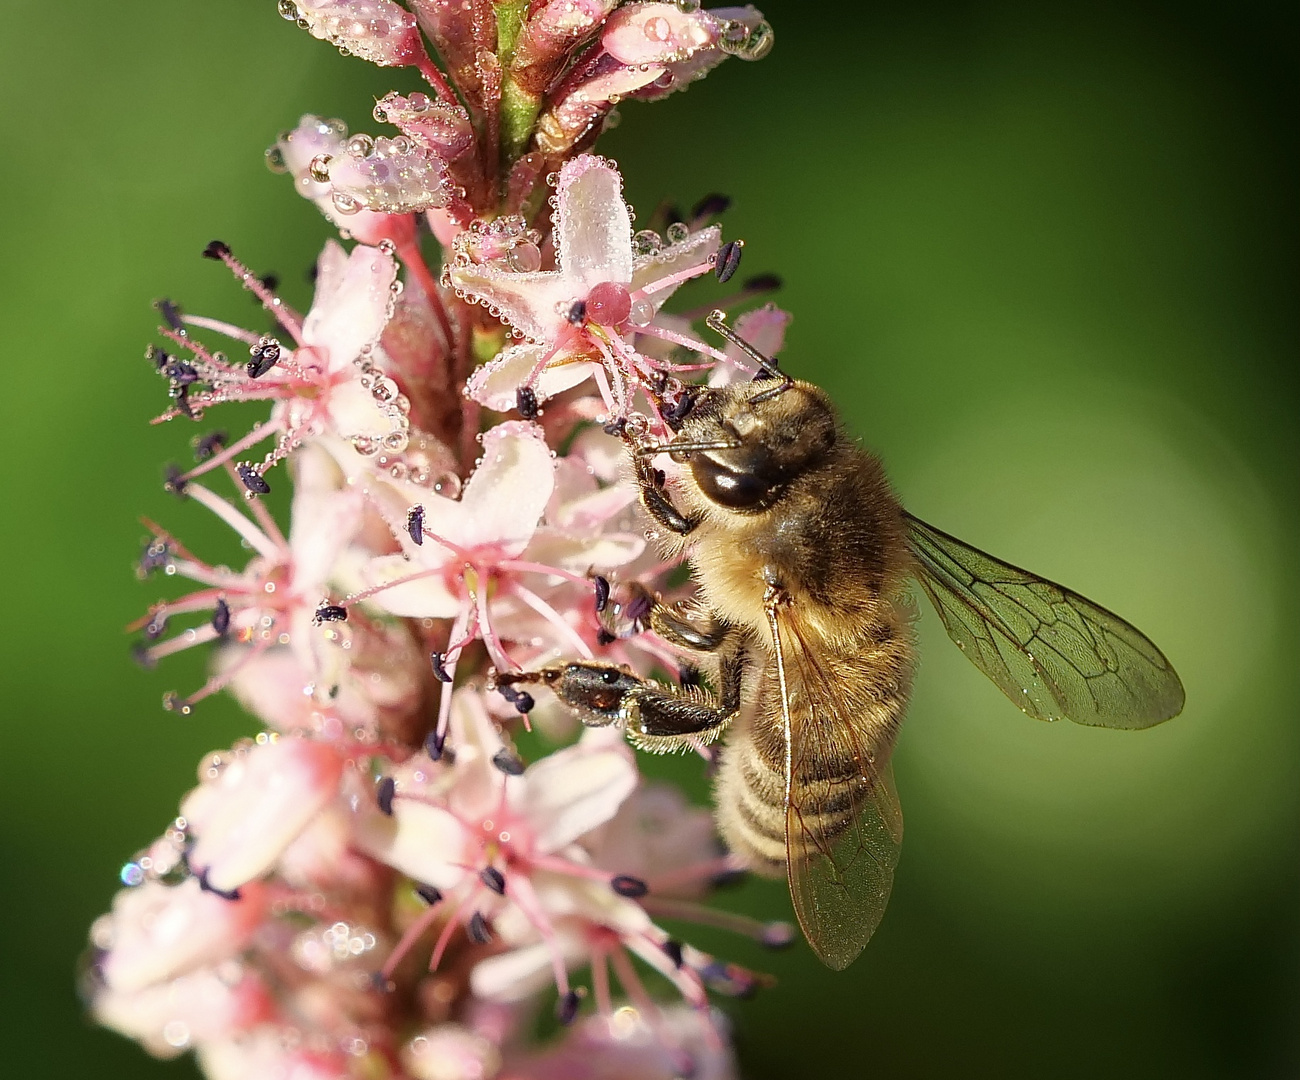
column 388, row 176
column 376, row 30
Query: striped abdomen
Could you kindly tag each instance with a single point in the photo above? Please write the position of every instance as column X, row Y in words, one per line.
column 845, row 728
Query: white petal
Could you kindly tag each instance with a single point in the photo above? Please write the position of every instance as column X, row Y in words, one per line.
column 534, row 304
column 510, row 487
column 353, row 311
column 593, row 225
column 424, row 842
column 497, row 382
column 577, row 553
column 423, row 598
column 523, row 972
column 322, row 524
column 693, row 251
column 573, row 791
column 162, row 931
column 283, row 785
column 353, row 411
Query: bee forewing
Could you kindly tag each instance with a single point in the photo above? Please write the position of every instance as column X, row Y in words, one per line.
column 1053, row 652
column 840, row 887
column 843, row 824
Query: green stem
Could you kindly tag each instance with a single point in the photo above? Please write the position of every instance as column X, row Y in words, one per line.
column 519, row 108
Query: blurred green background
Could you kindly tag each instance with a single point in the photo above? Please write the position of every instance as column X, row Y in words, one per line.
column 1043, row 255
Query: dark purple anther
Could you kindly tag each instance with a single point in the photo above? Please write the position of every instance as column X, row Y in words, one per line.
column 181, row 373
column 520, row 699
column 262, row 357
column 493, row 879
column 508, row 762
column 710, row 206
column 526, row 402
column 604, row 637
column 217, row 249
column 330, row 613
column 221, row 618
column 171, row 315
column 181, row 395
column 141, row 655
column 253, row 480
column 626, row 885
column 727, row 260
column 578, row 313
column 602, row 592
column 673, row 950
column 430, row 894
column 437, row 661
column 415, row 526
column 155, row 627
column 478, row 929
column 207, row 445
column 638, row 607
column 433, row 744
column 616, row 427
column 566, row 1009
column 160, row 358
column 270, row 282
column 207, row 886
column 154, row 558
column 385, row 792
column 173, row 479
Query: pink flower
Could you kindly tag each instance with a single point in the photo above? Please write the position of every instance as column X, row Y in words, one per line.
column 328, row 383
column 157, row 932
column 376, row 30
column 171, row 1017
column 305, row 153
column 258, row 805
column 577, row 318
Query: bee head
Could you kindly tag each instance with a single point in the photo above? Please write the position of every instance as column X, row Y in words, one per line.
column 773, row 440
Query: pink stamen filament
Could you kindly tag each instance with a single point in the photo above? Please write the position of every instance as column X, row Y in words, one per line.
column 682, row 339
column 196, row 635
column 409, row 250
column 521, row 891
column 235, row 333
column 554, row 618
column 257, row 540
column 409, row 939
column 600, row 980
column 285, row 315
column 672, row 280
column 261, row 430
column 223, row 678
column 665, row 907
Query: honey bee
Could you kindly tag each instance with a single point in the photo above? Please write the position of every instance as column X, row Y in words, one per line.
column 802, row 557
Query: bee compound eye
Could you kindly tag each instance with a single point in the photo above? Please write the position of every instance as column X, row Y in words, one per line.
column 736, row 489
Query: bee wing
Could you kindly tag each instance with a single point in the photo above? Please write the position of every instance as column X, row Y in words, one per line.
column 1051, row 651
column 843, row 824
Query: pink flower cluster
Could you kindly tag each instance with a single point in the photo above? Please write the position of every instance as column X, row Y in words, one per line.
column 378, row 884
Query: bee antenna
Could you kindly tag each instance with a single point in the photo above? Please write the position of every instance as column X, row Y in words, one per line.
column 717, row 322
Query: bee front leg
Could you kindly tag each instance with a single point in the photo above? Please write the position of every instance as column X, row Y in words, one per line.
column 656, row 501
